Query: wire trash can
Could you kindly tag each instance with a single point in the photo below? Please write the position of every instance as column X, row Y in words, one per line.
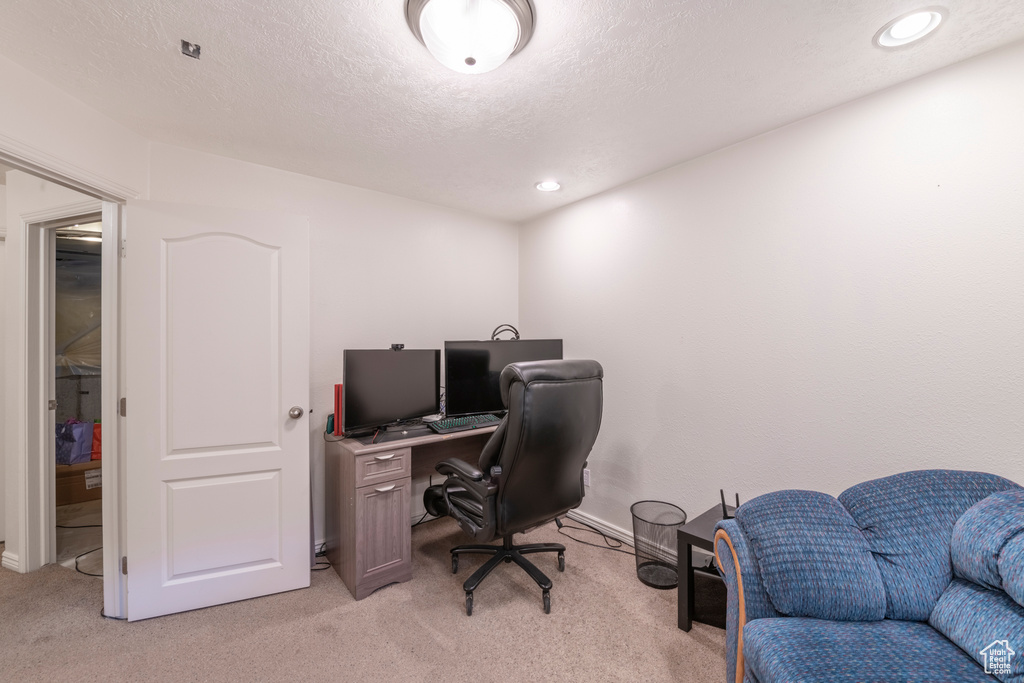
column 655, row 542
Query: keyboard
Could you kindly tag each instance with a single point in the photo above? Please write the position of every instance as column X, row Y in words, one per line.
column 461, row 424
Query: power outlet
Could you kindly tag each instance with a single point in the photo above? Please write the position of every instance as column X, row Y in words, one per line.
column 586, row 476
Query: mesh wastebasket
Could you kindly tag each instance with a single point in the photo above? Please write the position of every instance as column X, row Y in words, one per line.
column 654, row 539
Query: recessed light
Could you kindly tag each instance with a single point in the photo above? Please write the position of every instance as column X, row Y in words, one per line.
column 910, row 27
column 548, row 185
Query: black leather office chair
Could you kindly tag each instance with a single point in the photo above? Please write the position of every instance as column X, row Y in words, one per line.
column 531, row 469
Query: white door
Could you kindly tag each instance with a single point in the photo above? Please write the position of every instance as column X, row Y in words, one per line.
column 217, row 325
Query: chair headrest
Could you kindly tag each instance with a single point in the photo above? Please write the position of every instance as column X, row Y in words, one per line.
column 548, row 371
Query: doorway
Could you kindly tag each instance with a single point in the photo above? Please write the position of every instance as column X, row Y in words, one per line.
column 75, row 322
column 38, row 203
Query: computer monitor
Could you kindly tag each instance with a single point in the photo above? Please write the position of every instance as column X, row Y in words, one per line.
column 386, row 387
column 472, row 369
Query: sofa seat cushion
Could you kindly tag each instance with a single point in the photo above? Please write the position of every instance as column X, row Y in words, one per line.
column 987, row 624
column 799, row 650
column 813, row 559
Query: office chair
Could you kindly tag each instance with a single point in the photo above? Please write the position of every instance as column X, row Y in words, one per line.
column 531, row 469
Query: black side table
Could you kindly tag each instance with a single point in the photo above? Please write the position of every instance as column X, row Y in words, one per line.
column 698, row 532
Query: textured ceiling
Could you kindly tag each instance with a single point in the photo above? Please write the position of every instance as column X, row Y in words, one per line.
column 607, row 90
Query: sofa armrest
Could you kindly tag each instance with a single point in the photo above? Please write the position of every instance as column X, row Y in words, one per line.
column 746, row 600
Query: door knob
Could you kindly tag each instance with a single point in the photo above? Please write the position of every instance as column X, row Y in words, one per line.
column 295, row 413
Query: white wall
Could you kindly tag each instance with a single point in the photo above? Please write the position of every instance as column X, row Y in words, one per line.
column 837, row 300
column 3, row 326
column 377, row 263
column 44, row 125
column 39, row 120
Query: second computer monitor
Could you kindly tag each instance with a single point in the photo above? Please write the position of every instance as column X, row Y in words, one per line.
column 472, row 369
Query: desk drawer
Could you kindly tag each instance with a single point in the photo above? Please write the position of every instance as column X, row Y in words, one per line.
column 383, row 466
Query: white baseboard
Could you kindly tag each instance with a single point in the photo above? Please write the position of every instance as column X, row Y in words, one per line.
column 700, row 557
column 604, row 527
column 11, row 561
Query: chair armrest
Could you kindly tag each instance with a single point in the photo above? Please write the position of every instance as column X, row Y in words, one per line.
column 469, row 496
column 746, row 597
column 459, row 468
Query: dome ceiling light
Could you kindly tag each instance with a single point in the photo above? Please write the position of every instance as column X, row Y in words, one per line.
column 910, row 27
column 471, row 36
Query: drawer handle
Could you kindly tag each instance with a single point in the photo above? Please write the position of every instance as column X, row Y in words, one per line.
column 384, row 489
column 384, row 457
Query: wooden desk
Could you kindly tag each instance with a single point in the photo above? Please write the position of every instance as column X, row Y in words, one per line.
column 698, row 532
column 368, row 490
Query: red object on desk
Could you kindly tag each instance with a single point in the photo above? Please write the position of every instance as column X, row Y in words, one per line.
column 337, row 409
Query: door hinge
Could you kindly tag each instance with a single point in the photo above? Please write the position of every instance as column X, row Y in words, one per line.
column 52, row 404
column 124, row 565
column 124, row 407
column 124, row 248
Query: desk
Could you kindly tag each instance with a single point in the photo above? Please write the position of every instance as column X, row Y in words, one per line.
column 698, row 532
column 368, row 488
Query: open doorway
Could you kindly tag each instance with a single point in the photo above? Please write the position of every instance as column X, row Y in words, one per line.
column 76, row 316
column 39, row 203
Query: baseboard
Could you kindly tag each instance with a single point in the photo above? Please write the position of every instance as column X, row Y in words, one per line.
column 604, row 527
column 11, row 561
column 700, row 557
column 618, row 533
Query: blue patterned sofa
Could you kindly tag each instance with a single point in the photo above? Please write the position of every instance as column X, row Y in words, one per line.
column 914, row 577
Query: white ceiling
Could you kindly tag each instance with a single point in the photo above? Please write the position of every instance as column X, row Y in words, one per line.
column 606, row 91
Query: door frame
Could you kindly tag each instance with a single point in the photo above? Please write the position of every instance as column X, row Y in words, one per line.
column 25, row 397
column 39, row 230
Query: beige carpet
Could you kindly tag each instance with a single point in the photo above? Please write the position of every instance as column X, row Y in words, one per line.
column 604, row 626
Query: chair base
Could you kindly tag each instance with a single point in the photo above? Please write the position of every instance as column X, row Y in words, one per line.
column 508, row 552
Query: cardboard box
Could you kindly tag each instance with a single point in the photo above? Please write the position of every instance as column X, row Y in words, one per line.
column 79, row 483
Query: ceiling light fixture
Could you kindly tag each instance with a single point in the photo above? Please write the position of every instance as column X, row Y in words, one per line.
column 548, row 185
column 910, row 27
column 471, row 36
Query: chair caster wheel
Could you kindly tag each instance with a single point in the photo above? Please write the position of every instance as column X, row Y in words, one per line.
column 547, row 602
column 469, row 603
column 455, row 564
column 561, row 562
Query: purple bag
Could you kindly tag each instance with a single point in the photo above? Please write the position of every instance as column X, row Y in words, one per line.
column 65, row 442
column 81, row 451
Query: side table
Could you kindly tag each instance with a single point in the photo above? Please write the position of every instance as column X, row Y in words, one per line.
column 699, row 532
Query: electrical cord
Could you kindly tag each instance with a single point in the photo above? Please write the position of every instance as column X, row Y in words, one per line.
column 77, row 558
column 589, row 529
column 322, row 552
column 424, row 517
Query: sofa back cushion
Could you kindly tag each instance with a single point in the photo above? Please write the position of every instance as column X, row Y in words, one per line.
column 907, row 520
column 813, row 559
column 986, row 624
column 980, row 537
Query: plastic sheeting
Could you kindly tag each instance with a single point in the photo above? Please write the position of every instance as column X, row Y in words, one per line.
column 77, row 320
